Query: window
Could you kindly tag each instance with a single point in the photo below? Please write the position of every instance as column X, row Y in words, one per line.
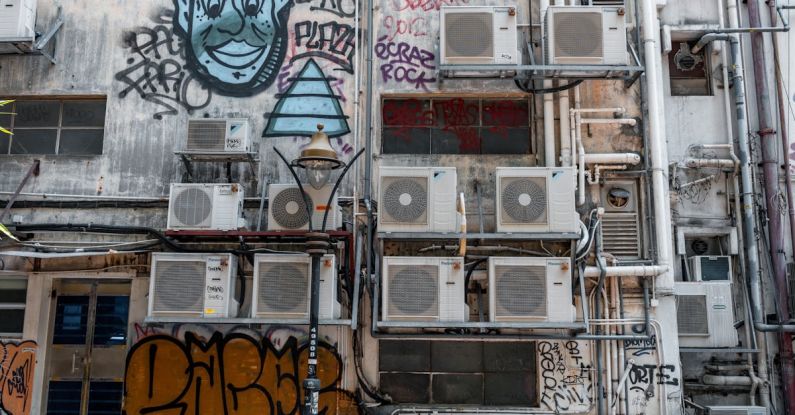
column 689, row 73
column 455, row 126
column 12, row 306
column 53, row 126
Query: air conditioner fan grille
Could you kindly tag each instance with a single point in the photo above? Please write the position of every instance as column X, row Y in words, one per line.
column 282, row 288
column 469, row 35
column 691, row 314
column 521, row 291
column 179, row 286
column 578, row 35
column 413, row 290
column 405, row 199
column 524, row 200
column 206, row 135
column 289, row 209
column 193, row 206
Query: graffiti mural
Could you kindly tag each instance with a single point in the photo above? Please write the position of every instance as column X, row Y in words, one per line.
column 225, row 374
column 566, row 381
column 17, row 361
column 308, row 101
column 406, row 64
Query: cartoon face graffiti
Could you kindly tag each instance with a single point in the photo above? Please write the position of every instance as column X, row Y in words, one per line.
column 237, row 46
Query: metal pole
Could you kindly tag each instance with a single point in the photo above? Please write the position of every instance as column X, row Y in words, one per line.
column 769, row 141
column 32, row 171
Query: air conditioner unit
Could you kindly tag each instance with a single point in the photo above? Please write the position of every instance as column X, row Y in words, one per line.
column 221, row 135
column 711, row 268
column 621, row 224
column 479, row 35
column 17, row 20
column 585, row 36
column 282, row 287
column 192, row 285
column 424, row 289
column 205, row 207
column 736, row 410
column 417, row 199
column 530, row 289
column 536, row 199
column 287, row 211
column 704, row 313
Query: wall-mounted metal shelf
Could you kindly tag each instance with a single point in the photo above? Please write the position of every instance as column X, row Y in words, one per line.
column 284, row 321
column 217, row 157
column 35, row 45
column 524, row 236
column 625, row 72
column 480, row 325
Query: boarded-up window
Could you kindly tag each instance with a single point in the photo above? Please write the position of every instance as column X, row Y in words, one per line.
column 455, row 126
column 53, row 126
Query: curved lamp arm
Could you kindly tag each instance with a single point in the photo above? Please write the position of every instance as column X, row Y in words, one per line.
column 337, row 185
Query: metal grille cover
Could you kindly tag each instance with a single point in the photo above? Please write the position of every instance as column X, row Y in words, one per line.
column 179, row 286
column 283, row 288
column 691, row 314
column 206, row 135
column 469, row 35
column 289, row 208
column 521, row 291
column 715, row 268
column 578, row 34
column 405, row 199
column 621, row 235
column 523, row 200
column 413, row 290
column 193, row 206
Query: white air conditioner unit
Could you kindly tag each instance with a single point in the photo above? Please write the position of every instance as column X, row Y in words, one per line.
column 479, row 35
column 220, row 135
column 17, row 20
column 736, row 410
column 705, row 314
column 287, row 211
column 282, row 287
column 424, row 289
column 536, row 199
column 530, row 289
column 711, row 268
column 192, row 285
column 585, row 36
column 196, row 206
column 417, row 199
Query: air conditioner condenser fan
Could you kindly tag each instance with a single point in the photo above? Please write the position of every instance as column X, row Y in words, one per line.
column 283, row 288
column 405, row 200
column 192, row 206
column 289, row 208
column 524, row 200
column 413, row 291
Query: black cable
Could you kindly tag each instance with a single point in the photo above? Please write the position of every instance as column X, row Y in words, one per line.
column 469, row 274
column 541, row 91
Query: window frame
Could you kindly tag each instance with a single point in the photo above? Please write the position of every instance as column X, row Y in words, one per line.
column 482, row 100
column 59, row 128
column 15, row 306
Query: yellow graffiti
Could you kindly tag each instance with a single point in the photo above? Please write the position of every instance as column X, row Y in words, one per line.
column 235, row 374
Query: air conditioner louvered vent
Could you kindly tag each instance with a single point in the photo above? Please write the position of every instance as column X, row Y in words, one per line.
column 193, row 206
column 524, row 200
column 469, row 35
column 282, row 288
column 578, row 35
column 715, row 268
column 413, row 290
column 289, row 208
column 179, row 287
column 621, row 235
column 521, row 291
column 405, row 200
column 691, row 314
column 206, row 135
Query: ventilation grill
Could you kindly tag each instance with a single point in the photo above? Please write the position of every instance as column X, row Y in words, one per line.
column 521, row 291
column 606, row 2
column 691, row 314
column 578, row 35
column 469, row 35
column 193, row 206
column 413, row 290
column 524, row 200
column 283, row 288
column 699, row 246
column 179, row 286
column 206, row 135
column 289, row 208
column 621, row 235
column 715, row 268
column 405, row 200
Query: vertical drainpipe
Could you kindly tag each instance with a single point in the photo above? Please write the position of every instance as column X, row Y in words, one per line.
column 769, row 141
column 563, row 109
column 658, row 151
column 549, row 104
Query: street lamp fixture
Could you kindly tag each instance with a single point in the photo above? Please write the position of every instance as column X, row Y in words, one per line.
column 318, row 159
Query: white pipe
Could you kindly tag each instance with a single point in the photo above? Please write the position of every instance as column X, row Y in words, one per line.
column 612, row 158
column 718, row 163
column 627, row 271
column 625, row 121
column 563, row 105
column 580, row 169
column 727, row 380
column 618, row 110
column 549, row 106
column 600, row 167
